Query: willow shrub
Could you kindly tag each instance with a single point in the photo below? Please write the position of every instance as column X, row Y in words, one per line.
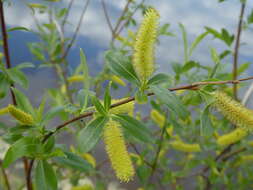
column 193, row 136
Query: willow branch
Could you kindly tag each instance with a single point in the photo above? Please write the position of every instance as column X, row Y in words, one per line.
column 6, row 46
column 76, row 31
column 67, row 14
column 107, row 17
column 193, row 86
column 13, row 98
column 237, row 46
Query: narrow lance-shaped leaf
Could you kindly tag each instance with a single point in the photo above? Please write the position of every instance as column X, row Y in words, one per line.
column 170, row 100
column 134, row 127
column 89, row 136
column 45, row 177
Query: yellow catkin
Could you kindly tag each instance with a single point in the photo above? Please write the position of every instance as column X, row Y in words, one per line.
column 243, row 159
column 235, row 112
column 143, row 57
column 232, row 137
column 82, row 187
column 4, row 111
column 89, row 158
column 118, row 80
column 76, row 78
column 63, row 89
column 124, row 108
column 20, row 115
column 117, row 151
column 158, row 118
column 181, row 146
column 170, row 130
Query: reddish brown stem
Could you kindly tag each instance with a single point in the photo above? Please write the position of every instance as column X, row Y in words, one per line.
column 8, row 66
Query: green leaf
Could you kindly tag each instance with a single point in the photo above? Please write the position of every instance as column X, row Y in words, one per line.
column 189, row 65
column 18, row 77
column 45, row 177
column 18, row 28
column 26, row 146
column 89, row 136
column 159, row 78
column 216, row 60
column 206, row 127
column 49, row 145
column 196, row 42
column 51, row 114
column 4, row 85
column 141, row 97
column 134, row 127
column 120, row 65
column 25, row 65
column 23, row 101
column 171, row 101
column 228, row 39
column 75, row 162
column 99, row 107
column 184, row 35
column 107, row 97
column 250, row 17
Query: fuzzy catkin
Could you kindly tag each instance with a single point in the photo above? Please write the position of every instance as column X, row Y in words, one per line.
column 117, row 80
column 124, row 108
column 184, row 147
column 4, row 111
column 117, row 151
column 143, row 57
column 235, row 112
column 20, row 115
column 158, row 118
column 232, row 137
column 76, row 78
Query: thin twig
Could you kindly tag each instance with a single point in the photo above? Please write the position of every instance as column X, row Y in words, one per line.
column 232, row 154
column 127, row 20
column 237, row 46
column 8, row 66
column 67, row 14
column 6, row 47
column 121, row 17
column 76, row 31
column 107, row 17
column 155, row 162
column 7, row 183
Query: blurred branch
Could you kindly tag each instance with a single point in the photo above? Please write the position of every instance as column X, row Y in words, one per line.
column 237, row 46
column 8, row 66
column 6, row 47
column 67, row 14
column 5, row 176
column 107, row 17
column 76, row 31
column 159, row 148
column 128, row 18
